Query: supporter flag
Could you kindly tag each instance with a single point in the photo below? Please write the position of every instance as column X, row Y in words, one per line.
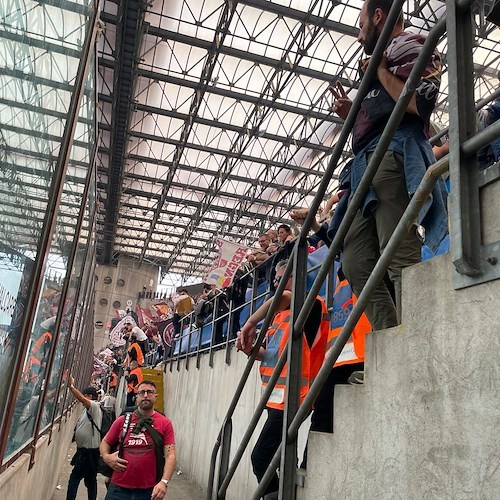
column 168, row 331
column 162, row 310
column 143, row 315
column 116, row 334
column 228, row 260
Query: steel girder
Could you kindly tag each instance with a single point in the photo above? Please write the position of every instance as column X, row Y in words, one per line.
column 129, row 31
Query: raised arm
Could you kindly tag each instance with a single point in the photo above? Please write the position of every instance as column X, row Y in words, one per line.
column 78, row 395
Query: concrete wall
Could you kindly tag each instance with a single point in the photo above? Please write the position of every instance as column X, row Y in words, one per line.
column 196, row 401
column 134, row 280
column 39, row 483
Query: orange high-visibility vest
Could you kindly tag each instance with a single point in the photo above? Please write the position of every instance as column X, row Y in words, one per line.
column 343, row 302
column 138, row 350
column 130, row 386
column 114, row 380
column 312, row 358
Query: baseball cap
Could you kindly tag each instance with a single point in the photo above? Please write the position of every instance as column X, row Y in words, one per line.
column 90, row 391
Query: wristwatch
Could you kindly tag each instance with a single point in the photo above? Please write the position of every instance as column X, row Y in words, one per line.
column 164, row 481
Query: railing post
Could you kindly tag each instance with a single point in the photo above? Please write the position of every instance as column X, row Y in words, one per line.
column 254, row 290
column 224, row 457
column 200, row 339
column 212, row 337
column 330, row 287
column 230, row 321
column 181, row 336
column 191, row 315
column 172, row 351
column 288, row 465
column 465, row 227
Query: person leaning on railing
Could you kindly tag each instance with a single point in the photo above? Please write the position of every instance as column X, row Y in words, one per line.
column 314, row 343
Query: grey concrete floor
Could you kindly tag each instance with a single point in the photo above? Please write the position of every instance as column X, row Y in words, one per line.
column 179, row 488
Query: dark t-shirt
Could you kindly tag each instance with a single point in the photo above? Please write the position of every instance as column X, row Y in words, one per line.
column 378, row 105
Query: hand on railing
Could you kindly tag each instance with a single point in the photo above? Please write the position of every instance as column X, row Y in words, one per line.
column 246, row 337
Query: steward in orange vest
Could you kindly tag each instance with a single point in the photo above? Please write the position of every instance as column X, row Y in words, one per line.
column 313, row 352
column 113, row 380
column 134, row 352
column 312, row 355
column 351, row 358
column 134, row 378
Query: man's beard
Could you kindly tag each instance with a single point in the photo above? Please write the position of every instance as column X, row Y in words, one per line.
column 371, row 39
column 146, row 405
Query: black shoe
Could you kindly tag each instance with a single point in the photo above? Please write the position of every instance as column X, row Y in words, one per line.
column 357, row 378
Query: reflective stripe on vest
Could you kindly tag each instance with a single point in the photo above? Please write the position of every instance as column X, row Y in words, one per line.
column 343, row 303
column 276, row 341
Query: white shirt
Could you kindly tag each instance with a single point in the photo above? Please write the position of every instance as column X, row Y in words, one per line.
column 86, row 435
column 139, row 334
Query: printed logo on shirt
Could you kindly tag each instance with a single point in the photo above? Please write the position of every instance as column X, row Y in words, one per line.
column 137, row 439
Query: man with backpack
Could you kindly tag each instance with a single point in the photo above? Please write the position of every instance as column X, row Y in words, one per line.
column 88, row 438
column 144, row 458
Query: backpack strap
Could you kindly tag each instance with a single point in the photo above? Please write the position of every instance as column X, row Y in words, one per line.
column 89, row 416
column 123, row 435
column 157, row 438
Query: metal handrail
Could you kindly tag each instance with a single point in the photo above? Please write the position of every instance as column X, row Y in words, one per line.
column 373, row 164
column 407, row 220
column 358, row 196
column 479, row 105
column 335, row 246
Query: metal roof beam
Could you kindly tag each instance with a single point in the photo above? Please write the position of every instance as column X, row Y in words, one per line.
column 42, row 135
column 272, row 220
column 32, row 197
column 302, row 16
column 180, row 185
column 245, row 55
column 43, row 174
column 129, row 32
column 237, row 96
column 227, row 154
column 44, row 45
column 212, row 173
column 41, row 110
column 37, row 80
column 225, row 210
column 68, row 5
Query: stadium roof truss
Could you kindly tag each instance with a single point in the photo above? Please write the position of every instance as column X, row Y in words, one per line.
column 214, row 116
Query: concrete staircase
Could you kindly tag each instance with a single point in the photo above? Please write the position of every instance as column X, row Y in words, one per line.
column 426, row 425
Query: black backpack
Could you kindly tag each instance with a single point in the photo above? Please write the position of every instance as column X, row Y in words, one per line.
column 108, row 417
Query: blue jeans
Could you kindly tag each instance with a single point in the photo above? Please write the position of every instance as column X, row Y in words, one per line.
column 118, row 493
